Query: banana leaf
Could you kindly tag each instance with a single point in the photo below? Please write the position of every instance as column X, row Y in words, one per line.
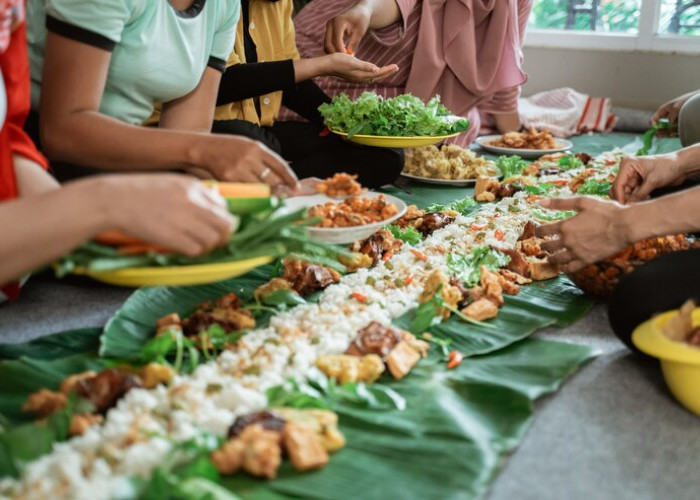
column 134, row 323
column 59, row 345
column 451, row 439
column 555, row 302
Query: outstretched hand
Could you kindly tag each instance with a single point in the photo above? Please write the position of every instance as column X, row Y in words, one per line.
column 596, row 232
column 639, row 176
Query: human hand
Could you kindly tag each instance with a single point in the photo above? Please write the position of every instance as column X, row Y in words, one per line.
column 596, row 232
column 232, row 158
column 639, row 176
column 171, row 211
column 307, row 187
column 671, row 109
column 351, row 24
column 350, row 68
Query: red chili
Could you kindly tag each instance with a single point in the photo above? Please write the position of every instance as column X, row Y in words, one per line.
column 559, row 182
column 359, row 297
column 455, row 358
column 477, row 227
column 499, row 234
column 409, row 279
column 533, row 198
column 387, row 255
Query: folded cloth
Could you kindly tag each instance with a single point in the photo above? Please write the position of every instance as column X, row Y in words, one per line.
column 564, row 112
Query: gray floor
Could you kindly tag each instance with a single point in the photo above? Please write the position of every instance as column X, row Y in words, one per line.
column 612, row 432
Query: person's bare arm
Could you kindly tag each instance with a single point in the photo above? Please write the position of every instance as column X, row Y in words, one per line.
column 31, row 178
column 354, row 23
column 172, row 211
column 193, row 112
column 73, row 130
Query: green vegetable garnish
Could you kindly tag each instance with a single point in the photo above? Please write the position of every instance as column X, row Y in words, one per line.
column 511, row 166
column 540, row 189
column 464, row 206
column 408, row 234
column 401, row 116
column 649, row 135
column 467, row 268
column 569, row 162
column 592, row 186
column 553, row 215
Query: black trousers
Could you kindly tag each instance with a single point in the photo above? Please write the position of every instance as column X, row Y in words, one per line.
column 312, row 155
column 659, row 285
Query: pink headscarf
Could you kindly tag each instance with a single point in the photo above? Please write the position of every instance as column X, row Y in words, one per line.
column 467, row 50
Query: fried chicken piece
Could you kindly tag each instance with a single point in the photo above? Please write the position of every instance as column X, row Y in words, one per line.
column 226, row 313
column 229, row 458
column 323, row 422
column 272, row 286
column 106, row 388
column 340, row 185
column 344, row 368
column 434, row 221
column 375, row 338
column 262, row 454
column 412, row 217
column 307, row 278
column 514, row 277
column 491, row 283
column 402, row 359
column 437, row 281
column 305, row 449
column 464, row 291
column 79, row 424
column 528, row 230
column 481, row 310
column 167, row 323
column 531, row 247
column 377, row 245
column 517, row 263
column 486, row 188
column 68, row 383
column 267, row 420
column 44, row 402
column 154, row 374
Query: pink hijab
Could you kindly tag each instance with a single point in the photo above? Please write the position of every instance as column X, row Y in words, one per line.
column 467, row 50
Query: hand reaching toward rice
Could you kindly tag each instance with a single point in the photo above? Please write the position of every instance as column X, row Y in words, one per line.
column 639, row 176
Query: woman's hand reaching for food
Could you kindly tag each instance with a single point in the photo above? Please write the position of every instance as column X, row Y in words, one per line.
column 672, row 109
column 597, row 231
column 171, row 211
column 350, row 68
column 639, row 176
column 239, row 159
column 351, row 25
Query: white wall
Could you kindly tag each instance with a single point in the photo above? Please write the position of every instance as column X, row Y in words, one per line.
column 631, row 79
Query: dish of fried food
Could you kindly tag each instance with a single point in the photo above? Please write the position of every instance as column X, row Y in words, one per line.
column 340, row 185
column 355, row 211
column 530, row 139
column 449, row 162
column 600, row 279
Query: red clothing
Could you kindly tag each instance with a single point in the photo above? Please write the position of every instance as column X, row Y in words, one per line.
column 14, row 63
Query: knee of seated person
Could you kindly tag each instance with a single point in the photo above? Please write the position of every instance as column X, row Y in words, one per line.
column 384, row 168
column 689, row 121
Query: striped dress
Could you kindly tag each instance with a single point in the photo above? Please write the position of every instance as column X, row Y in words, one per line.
column 394, row 44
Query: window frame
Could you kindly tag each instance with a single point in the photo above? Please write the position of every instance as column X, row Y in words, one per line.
column 647, row 39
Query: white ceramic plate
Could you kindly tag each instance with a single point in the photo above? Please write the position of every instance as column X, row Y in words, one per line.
column 343, row 235
column 483, row 141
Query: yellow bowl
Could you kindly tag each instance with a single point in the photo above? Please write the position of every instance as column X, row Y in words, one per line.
column 175, row 275
column 382, row 141
column 680, row 363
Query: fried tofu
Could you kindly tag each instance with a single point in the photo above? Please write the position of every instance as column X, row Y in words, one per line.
column 402, row 359
column 420, row 346
column 229, row 458
column 303, row 446
column 262, row 454
column 345, row 368
column 450, row 294
column 491, row 283
column 541, row 270
column 481, row 310
column 486, row 188
column 323, row 422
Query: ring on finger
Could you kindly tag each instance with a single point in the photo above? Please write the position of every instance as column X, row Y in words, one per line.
column 265, row 173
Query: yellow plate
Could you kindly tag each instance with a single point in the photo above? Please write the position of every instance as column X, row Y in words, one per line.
column 680, row 363
column 382, row 141
column 176, row 275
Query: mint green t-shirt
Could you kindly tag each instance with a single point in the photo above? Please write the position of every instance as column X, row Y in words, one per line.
column 158, row 53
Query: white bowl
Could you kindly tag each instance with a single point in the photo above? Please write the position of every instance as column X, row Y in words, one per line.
column 342, row 235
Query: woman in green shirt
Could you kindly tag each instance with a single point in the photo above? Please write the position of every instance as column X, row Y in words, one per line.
column 99, row 67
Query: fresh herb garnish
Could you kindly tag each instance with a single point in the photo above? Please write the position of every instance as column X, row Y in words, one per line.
column 649, row 135
column 540, row 189
column 467, row 268
column 463, row 207
column 408, row 234
column 569, row 162
column 553, row 215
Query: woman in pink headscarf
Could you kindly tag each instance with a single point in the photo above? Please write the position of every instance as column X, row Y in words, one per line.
column 467, row 51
